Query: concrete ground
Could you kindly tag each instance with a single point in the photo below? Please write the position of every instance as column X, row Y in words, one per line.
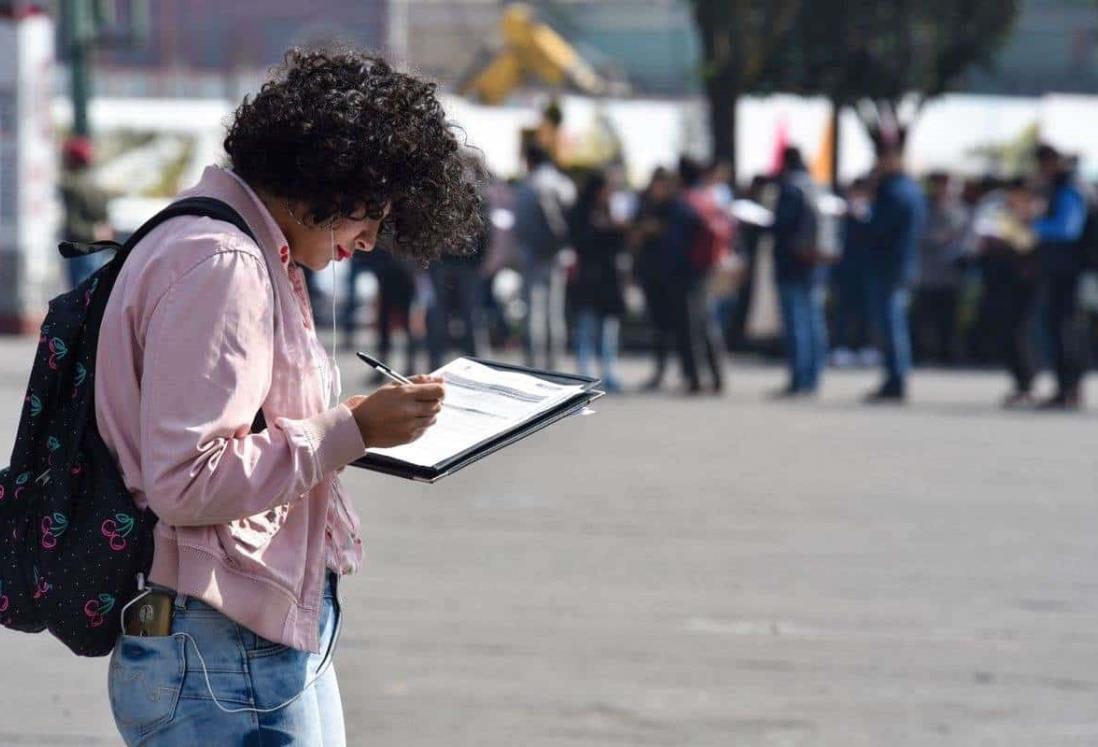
column 713, row 571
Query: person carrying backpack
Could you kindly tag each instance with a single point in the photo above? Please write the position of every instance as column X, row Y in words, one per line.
column 699, row 238
column 799, row 274
column 221, row 411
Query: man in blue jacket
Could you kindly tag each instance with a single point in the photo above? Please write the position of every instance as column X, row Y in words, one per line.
column 1060, row 257
column 899, row 213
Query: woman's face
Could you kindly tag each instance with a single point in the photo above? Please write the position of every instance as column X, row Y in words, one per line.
column 312, row 246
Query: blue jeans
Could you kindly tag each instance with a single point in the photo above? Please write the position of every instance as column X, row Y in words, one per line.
column 594, row 331
column 160, row 696
column 889, row 303
column 805, row 332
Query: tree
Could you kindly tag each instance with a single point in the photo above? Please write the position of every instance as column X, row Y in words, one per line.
column 886, row 58
column 739, row 37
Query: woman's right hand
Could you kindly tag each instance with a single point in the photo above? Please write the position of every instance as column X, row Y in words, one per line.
column 398, row 414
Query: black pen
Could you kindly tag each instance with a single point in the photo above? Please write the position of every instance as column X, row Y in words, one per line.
column 381, row 368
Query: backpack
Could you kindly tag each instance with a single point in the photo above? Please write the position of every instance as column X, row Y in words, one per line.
column 72, row 540
column 818, row 239
column 541, row 226
column 713, row 240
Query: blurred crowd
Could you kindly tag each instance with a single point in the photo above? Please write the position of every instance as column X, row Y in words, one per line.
column 990, row 271
column 888, row 272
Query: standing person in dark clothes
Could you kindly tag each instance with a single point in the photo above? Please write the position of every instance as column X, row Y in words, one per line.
column 696, row 221
column 396, row 292
column 1005, row 244
column 850, row 279
column 1060, row 257
column 649, row 232
column 899, row 212
column 457, row 288
column 799, row 276
column 597, row 291
column 939, row 285
column 85, row 206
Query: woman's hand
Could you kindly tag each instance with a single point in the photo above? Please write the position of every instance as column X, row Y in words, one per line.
column 397, row 414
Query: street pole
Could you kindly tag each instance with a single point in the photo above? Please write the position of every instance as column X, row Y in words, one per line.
column 77, row 35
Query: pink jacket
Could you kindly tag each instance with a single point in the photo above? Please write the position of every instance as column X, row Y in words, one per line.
column 202, row 330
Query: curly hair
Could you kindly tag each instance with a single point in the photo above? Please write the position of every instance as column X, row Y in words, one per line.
column 345, row 134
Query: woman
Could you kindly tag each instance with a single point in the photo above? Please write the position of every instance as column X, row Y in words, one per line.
column 597, row 292
column 204, row 329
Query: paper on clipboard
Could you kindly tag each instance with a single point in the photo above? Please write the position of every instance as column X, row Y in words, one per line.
column 481, row 403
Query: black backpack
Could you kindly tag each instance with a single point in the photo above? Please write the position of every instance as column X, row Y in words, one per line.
column 72, row 541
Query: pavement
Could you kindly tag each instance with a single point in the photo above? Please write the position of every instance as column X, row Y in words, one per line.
column 711, row 571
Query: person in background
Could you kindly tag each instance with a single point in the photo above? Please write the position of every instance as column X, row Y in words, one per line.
column 699, row 234
column 1005, row 245
column 456, row 292
column 799, row 276
column 850, row 282
column 1060, row 258
column 597, row 291
column 934, row 317
column 649, row 231
column 542, row 201
column 399, row 288
column 85, row 208
column 895, row 229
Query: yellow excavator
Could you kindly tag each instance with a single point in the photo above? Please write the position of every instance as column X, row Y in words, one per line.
column 534, row 52
column 531, row 49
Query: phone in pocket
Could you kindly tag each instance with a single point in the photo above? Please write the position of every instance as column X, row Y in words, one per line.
column 151, row 615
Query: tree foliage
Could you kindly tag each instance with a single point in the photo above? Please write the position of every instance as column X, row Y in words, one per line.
column 886, row 57
column 877, row 55
column 739, row 39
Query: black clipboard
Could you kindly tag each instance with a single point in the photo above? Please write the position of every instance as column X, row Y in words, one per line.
column 571, row 406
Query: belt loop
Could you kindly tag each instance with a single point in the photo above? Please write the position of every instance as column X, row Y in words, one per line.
column 180, row 601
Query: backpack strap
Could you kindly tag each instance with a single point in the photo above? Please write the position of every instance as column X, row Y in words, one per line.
column 203, row 207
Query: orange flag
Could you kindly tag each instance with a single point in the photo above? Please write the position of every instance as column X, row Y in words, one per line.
column 821, row 166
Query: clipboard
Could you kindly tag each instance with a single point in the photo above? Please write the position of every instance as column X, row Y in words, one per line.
column 571, row 406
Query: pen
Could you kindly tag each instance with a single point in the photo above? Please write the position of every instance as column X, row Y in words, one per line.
column 381, row 368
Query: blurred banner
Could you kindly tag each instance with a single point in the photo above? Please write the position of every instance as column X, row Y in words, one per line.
column 28, row 171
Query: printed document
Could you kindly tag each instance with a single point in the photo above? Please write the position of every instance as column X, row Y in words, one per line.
column 481, row 403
